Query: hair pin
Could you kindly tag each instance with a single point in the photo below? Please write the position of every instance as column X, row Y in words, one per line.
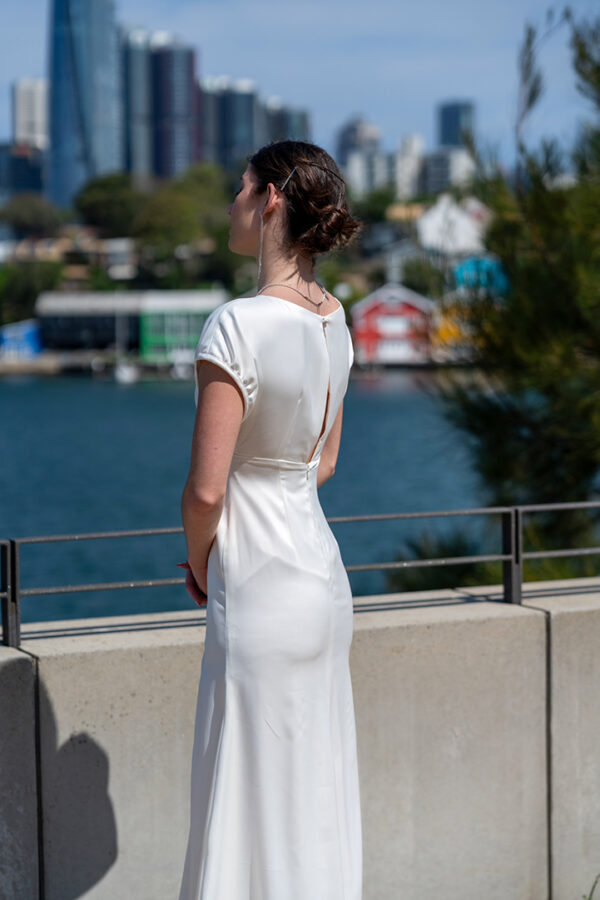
column 287, row 179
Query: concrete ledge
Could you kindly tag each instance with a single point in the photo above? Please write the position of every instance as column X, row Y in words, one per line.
column 117, row 704
column 450, row 704
column 18, row 791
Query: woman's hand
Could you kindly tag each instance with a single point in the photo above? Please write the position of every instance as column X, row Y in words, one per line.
column 196, row 591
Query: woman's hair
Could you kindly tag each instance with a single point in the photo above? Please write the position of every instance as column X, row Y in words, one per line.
column 317, row 210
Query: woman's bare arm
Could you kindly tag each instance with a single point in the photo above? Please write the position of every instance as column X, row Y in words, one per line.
column 216, row 427
column 330, row 451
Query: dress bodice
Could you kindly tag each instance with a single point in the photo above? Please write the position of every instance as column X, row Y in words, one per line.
column 285, row 359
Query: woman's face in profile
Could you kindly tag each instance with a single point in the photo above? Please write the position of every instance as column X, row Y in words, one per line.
column 244, row 216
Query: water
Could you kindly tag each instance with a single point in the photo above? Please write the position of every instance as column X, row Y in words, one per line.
column 84, row 455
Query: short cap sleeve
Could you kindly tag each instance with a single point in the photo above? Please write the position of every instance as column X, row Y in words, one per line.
column 222, row 342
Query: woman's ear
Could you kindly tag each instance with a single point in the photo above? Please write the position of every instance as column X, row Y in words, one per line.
column 272, row 199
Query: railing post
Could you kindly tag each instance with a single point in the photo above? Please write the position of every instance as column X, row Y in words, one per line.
column 512, row 569
column 11, row 618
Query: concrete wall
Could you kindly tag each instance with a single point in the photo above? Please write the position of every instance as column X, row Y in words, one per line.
column 450, row 708
column 451, row 705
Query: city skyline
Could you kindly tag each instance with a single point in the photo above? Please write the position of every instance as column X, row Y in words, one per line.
column 392, row 66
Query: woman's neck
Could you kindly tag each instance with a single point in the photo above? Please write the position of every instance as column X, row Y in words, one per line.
column 297, row 270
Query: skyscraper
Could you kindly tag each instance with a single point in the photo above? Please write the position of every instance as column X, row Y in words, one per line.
column 453, row 118
column 241, row 123
column 209, row 98
column 357, row 135
column 174, row 96
column 137, row 104
column 85, row 96
column 283, row 122
column 29, row 112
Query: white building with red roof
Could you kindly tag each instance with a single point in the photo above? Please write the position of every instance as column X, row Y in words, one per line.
column 392, row 326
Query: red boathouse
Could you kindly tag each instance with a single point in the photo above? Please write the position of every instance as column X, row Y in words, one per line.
column 392, row 326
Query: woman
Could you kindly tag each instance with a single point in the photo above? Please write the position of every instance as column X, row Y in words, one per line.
column 275, row 811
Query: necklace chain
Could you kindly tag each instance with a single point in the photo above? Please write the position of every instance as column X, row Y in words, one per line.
column 298, row 291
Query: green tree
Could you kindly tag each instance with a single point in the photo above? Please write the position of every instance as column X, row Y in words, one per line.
column 168, row 220
column 534, row 427
column 20, row 285
column 424, row 277
column 111, row 204
column 30, row 216
column 373, row 207
column 180, row 222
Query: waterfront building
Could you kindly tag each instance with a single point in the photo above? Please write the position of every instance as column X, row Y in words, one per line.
column 454, row 117
column 137, row 105
column 20, row 340
column 451, row 229
column 85, row 96
column 174, row 105
column 392, row 326
column 161, row 326
column 30, row 112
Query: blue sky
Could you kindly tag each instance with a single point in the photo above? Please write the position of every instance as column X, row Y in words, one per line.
column 389, row 60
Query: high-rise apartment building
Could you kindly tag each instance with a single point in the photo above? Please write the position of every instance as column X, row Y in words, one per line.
column 21, row 170
column 241, row 123
column 30, row 112
column 85, row 96
column 284, row 123
column 358, row 135
column 207, row 123
column 407, row 166
column 174, row 105
column 130, row 101
column 447, row 167
column 358, row 154
column 233, row 121
column 137, row 105
column 454, row 118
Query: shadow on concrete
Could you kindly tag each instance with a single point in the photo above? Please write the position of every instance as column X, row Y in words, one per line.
column 79, row 826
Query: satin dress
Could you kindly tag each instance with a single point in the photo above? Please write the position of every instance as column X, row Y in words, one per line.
column 275, row 809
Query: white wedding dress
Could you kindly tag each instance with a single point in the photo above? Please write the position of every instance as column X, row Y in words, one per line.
column 275, row 811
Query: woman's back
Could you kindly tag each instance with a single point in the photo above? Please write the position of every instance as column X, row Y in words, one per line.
column 286, row 359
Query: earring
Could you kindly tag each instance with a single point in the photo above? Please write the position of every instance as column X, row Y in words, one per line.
column 260, row 253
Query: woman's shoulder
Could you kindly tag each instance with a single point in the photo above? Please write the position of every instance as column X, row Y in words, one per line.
column 239, row 307
column 236, row 319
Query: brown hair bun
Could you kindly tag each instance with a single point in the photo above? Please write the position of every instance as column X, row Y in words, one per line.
column 317, row 209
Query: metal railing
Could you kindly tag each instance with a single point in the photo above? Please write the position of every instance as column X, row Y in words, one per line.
column 512, row 556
